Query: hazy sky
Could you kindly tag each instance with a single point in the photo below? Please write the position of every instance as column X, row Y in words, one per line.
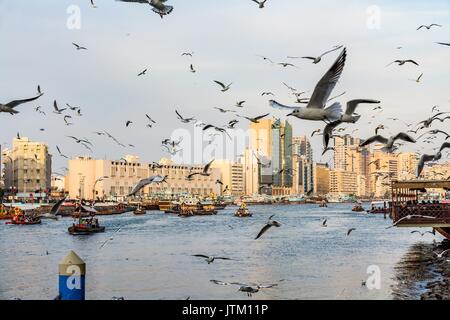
column 226, row 36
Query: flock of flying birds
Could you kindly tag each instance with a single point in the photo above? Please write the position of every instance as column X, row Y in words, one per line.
column 316, row 108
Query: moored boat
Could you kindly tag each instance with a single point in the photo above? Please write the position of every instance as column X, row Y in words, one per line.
column 22, row 217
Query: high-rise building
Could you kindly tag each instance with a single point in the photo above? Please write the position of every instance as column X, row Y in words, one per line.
column 108, row 179
column 282, row 154
column 232, row 176
column 343, row 183
column 342, row 145
column 27, row 166
column 303, row 165
column 321, row 179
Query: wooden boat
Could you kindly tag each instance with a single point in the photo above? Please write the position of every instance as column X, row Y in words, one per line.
column 139, row 211
column 6, row 213
column 323, row 204
column 25, row 221
column 21, row 217
column 358, row 208
column 85, row 225
column 380, row 207
column 242, row 213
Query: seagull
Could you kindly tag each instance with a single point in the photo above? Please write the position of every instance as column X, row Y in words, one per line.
column 435, row 132
column 287, row 64
column 143, row 72
column 427, row 158
column 204, row 173
column 418, row 79
column 232, row 123
column 142, row 183
column 224, row 110
column 77, row 140
column 388, row 143
column 265, row 58
column 9, row 107
column 184, row 120
column 409, row 217
column 60, row 153
column 255, row 119
column 160, row 8
column 428, row 122
column 315, row 110
column 270, row 223
column 243, row 287
column 128, row 123
column 260, row 3
column 56, row 109
column 210, row 259
column 267, row 94
column 93, row 4
column 429, row 26
column 78, row 47
column 441, row 255
column 402, row 62
column 224, row 87
column 316, row 60
column 350, row 231
column 240, row 104
column 324, row 223
column 150, row 119
column 422, row 233
column 443, row 43
column 190, row 54
column 191, row 68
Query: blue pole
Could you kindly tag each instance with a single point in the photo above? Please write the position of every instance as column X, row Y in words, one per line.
column 72, row 272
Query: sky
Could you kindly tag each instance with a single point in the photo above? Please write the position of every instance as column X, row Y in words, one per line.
column 226, row 38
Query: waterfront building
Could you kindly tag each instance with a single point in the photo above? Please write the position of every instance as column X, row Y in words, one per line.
column 303, row 165
column 343, row 183
column 27, row 167
column 321, row 179
column 232, row 176
column 110, row 179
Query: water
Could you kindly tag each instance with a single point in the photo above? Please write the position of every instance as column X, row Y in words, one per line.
column 150, row 257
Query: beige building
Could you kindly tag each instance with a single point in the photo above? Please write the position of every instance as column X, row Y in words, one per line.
column 232, row 176
column 321, row 179
column 27, row 166
column 251, row 172
column 109, row 179
column 382, row 170
column 343, row 182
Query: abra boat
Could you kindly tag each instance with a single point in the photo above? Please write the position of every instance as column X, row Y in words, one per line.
column 86, row 225
column 358, row 208
column 380, row 207
column 139, row 210
column 242, row 212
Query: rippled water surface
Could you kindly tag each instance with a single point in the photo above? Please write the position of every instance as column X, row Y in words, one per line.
column 150, row 257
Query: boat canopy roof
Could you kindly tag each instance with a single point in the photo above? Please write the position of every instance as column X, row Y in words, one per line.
column 421, row 184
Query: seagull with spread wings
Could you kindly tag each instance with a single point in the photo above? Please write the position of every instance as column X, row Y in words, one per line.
column 9, row 107
column 315, row 109
column 224, row 87
column 270, row 223
column 389, row 146
column 316, row 60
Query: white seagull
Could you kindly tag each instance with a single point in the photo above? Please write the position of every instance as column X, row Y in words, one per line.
column 315, row 109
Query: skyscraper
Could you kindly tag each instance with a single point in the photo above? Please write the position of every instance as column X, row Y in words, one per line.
column 303, row 164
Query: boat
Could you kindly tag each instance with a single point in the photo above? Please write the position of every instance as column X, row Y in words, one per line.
column 111, row 209
column 242, row 212
column 85, row 225
column 22, row 217
column 412, row 207
column 139, row 210
column 358, row 208
column 6, row 213
column 380, row 207
column 323, row 204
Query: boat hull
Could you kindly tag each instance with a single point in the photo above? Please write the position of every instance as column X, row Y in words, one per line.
column 83, row 230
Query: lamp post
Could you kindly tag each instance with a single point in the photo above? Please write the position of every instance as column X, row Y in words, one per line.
column 95, row 183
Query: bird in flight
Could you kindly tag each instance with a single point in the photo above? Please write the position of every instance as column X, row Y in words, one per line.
column 255, row 119
column 423, row 233
column 443, row 44
column 270, row 223
column 78, row 47
column 9, row 107
column 184, row 120
column 402, row 62
column 144, row 182
column 388, row 142
column 247, row 288
column 56, row 109
column 316, row 60
column 315, row 109
column 261, row 3
column 210, row 259
column 428, row 27
column 143, row 72
column 205, row 172
column 224, row 87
